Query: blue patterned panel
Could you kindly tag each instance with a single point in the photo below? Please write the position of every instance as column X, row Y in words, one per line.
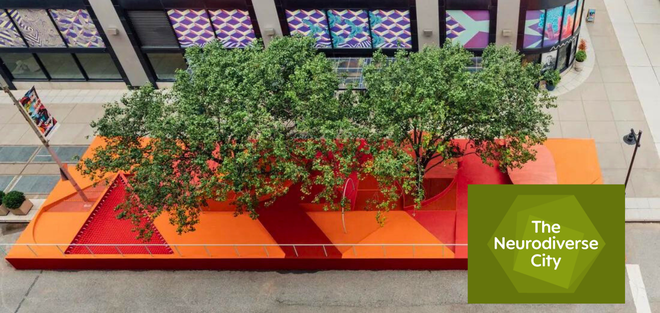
column 9, row 37
column 349, row 28
column 312, row 23
column 77, row 28
column 390, row 29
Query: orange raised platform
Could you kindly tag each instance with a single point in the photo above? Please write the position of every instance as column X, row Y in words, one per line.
column 290, row 234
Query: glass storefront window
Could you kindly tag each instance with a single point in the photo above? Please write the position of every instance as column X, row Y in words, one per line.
column 166, row 64
column 98, row 66
column 60, row 66
column 562, row 58
column 22, row 65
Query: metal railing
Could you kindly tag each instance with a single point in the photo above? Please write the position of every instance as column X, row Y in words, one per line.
column 179, row 247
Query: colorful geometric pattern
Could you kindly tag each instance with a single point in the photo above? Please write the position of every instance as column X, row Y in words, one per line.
column 9, row 36
column 192, row 27
column 233, row 27
column 552, row 26
column 390, row 29
column 77, row 28
column 469, row 27
column 349, row 28
column 310, row 23
column 37, row 28
column 534, row 21
column 569, row 19
column 578, row 16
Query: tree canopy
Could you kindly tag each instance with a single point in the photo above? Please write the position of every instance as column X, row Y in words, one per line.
column 244, row 125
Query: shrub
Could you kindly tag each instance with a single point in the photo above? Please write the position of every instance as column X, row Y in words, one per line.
column 2, row 195
column 583, row 45
column 552, row 77
column 580, row 56
column 13, row 199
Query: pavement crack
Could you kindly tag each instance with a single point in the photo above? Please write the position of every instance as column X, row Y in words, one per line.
column 28, row 291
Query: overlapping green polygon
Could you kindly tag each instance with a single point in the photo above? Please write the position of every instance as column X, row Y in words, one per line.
column 585, row 212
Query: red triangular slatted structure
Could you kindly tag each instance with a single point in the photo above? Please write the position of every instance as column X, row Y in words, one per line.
column 103, row 227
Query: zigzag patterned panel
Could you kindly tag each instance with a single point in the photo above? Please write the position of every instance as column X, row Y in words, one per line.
column 77, row 28
column 37, row 28
column 9, row 37
column 390, row 29
column 192, row 27
column 233, row 27
column 311, row 23
column 469, row 27
column 534, row 21
column 349, row 28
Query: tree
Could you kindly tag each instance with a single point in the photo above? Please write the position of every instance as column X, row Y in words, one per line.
column 416, row 104
column 235, row 126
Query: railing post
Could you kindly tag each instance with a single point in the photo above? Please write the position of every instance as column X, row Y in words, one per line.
column 90, row 250
column 122, row 254
column 177, row 250
column 207, row 250
column 325, row 251
column 354, row 252
column 295, row 250
column 62, row 252
column 35, row 254
column 443, row 251
column 384, row 253
column 267, row 254
column 147, row 247
column 236, row 250
column 413, row 250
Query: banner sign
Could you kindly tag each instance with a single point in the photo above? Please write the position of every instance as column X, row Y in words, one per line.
column 38, row 113
column 546, row 244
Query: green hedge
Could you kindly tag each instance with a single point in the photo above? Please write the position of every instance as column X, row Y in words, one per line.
column 13, row 199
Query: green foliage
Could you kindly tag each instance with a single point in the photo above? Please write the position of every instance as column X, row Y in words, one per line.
column 552, row 77
column 580, row 56
column 418, row 103
column 231, row 128
column 2, row 195
column 13, row 199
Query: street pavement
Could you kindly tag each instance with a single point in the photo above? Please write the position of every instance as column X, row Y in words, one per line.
column 268, row 291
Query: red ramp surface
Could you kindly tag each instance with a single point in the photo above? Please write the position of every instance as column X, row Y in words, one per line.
column 103, row 227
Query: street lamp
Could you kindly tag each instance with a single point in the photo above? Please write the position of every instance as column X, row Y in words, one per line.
column 631, row 139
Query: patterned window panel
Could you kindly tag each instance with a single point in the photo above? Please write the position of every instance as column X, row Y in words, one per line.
column 569, row 20
column 469, row 27
column 77, row 28
column 552, row 26
column 9, row 37
column 311, row 23
column 233, row 27
column 37, row 28
column 578, row 16
column 534, row 21
column 192, row 27
column 390, row 29
column 349, row 29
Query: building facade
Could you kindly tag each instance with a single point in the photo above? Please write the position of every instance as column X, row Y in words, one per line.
column 129, row 43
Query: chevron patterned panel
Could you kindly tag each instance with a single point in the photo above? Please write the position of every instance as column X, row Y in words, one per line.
column 233, row 27
column 192, row 27
column 349, row 28
column 309, row 23
column 37, row 28
column 77, row 28
column 9, row 37
column 390, row 29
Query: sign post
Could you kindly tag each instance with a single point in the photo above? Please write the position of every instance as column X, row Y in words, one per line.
column 44, row 129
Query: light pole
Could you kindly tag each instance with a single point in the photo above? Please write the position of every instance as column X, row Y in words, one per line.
column 631, row 139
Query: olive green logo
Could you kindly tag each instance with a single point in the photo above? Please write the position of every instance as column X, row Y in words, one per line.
column 546, row 244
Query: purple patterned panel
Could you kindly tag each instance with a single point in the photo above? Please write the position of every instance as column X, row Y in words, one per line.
column 552, row 26
column 9, row 37
column 233, row 27
column 311, row 23
column 37, row 28
column 77, row 28
column 534, row 21
column 390, row 29
column 469, row 27
column 349, row 28
column 192, row 27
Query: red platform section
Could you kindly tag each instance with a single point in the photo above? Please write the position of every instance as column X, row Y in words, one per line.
column 434, row 237
column 103, row 227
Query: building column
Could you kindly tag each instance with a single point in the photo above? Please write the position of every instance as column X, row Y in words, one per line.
column 428, row 23
column 508, row 12
column 121, row 44
column 268, row 20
